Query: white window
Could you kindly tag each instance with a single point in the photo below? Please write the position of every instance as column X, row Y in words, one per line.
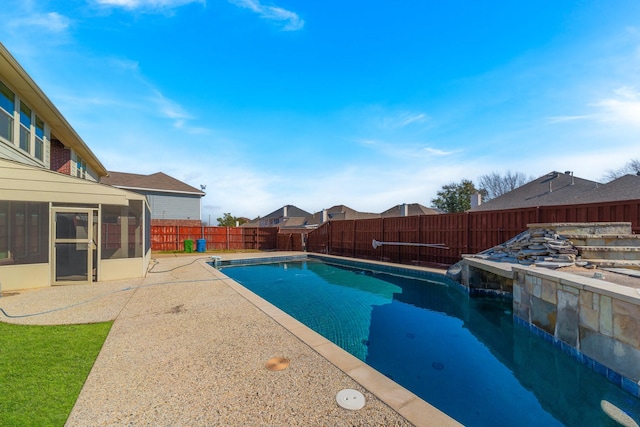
column 7, row 108
column 39, row 139
column 81, row 167
column 32, row 130
column 25, row 127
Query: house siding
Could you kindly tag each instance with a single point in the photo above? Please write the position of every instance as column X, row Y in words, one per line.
column 10, row 153
column 175, row 206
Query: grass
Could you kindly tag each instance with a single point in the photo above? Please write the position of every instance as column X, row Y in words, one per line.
column 43, row 369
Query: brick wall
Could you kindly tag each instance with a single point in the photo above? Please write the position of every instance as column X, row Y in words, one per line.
column 60, row 158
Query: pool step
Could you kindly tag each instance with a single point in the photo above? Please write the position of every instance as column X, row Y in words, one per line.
column 615, row 263
column 586, row 228
column 608, row 240
column 605, row 245
column 625, row 253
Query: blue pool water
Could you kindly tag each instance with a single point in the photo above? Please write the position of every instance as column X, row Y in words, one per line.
column 463, row 355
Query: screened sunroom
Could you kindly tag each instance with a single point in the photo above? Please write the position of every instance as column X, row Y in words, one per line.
column 57, row 229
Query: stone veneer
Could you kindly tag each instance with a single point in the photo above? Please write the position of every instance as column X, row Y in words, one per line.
column 596, row 322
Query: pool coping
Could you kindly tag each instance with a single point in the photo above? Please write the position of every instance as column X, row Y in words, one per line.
column 411, row 407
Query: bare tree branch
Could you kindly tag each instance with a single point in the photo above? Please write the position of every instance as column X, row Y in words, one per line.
column 632, row 167
column 496, row 184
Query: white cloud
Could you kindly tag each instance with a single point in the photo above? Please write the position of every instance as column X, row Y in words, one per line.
column 146, row 4
column 403, row 119
column 124, row 64
column 168, row 108
column 438, row 152
column 174, row 111
column 51, row 22
column 405, row 151
column 623, row 107
column 290, row 21
column 418, row 118
column 615, row 110
column 561, row 119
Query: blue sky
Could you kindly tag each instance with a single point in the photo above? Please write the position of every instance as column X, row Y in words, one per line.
column 317, row 103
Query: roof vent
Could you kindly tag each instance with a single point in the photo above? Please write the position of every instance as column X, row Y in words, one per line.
column 570, row 173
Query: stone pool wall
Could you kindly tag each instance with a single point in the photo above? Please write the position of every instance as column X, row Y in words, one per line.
column 594, row 321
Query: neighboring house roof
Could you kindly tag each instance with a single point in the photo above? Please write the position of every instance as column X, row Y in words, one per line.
column 293, row 217
column 342, row 212
column 287, row 211
column 626, row 187
column 29, row 91
column 554, row 188
column 289, row 216
column 294, row 222
column 157, row 182
column 413, row 209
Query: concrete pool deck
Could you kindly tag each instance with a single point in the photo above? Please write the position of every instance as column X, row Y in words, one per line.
column 188, row 347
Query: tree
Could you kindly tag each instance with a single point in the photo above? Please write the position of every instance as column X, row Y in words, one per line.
column 455, row 197
column 495, row 184
column 227, row 220
column 632, row 167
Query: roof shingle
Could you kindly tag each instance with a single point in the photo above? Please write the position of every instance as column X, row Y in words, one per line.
column 155, row 182
column 557, row 188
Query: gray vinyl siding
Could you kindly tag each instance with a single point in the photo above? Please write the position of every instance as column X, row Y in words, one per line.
column 174, row 206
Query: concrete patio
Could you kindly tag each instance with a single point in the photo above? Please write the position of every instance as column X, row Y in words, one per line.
column 188, row 347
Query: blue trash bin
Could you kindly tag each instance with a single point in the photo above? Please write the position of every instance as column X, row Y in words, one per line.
column 201, row 245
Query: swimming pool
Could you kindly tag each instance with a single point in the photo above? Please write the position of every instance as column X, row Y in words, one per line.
column 463, row 355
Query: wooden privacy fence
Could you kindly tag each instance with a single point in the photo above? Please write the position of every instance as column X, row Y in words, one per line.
column 172, row 237
column 462, row 233
column 292, row 239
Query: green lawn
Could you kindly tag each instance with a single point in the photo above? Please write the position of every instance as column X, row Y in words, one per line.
column 43, row 369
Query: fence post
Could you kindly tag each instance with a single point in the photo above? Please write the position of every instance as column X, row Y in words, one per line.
column 468, row 240
column 420, row 240
column 398, row 248
column 382, row 252
column 353, row 247
column 177, row 237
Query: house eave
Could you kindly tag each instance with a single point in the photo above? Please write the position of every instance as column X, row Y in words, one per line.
column 160, row 190
column 32, row 94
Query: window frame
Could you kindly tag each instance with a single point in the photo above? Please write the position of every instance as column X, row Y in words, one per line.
column 26, row 130
column 38, row 149
column 81, row 167
column 26, row 123
column 10, row 115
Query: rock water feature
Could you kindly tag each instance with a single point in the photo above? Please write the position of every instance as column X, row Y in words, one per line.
column 542, row 247
column 610, row 245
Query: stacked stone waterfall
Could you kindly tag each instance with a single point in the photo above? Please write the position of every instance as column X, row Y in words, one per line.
column 537, row 246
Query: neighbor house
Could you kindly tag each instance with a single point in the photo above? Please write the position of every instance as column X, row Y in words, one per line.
column 554, row 188
column 58, row 225
column 339, row 213
column 408, row 209
column 292, row 217
column 287, row 215
column 563, row 188
column 171, row 200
